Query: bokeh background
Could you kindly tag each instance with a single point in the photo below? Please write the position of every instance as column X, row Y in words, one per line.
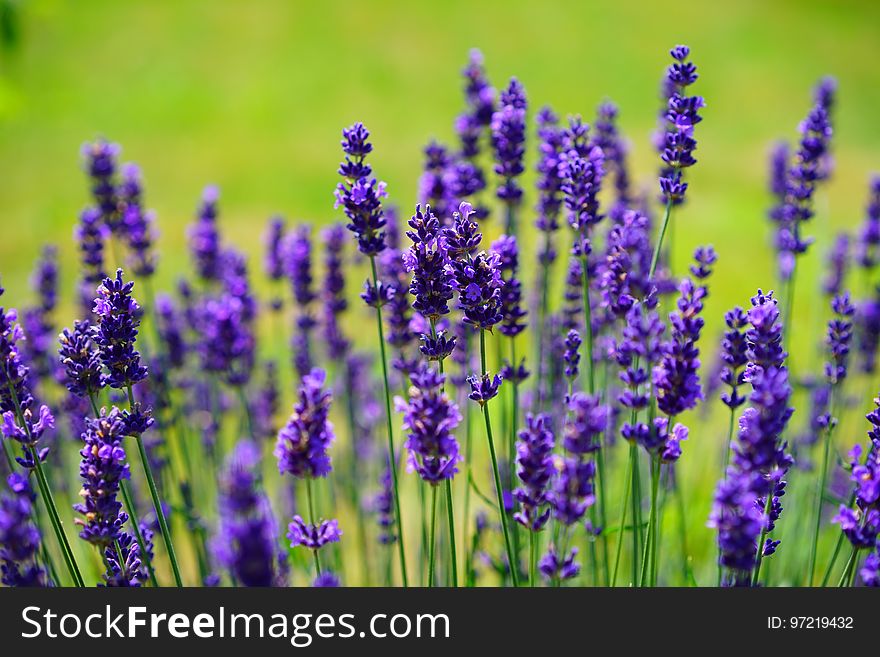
column 252, row 96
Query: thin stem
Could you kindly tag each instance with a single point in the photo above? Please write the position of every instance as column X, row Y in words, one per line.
column 655, row 259
column 46, row 491
column 837, row 549
column 820, row 491
column 649, row 553
column 768, row 505
column 313, row 520
column 533, row 557
column 128, row 498
column 499, row 492
column 636, row 502
column 850, row 567
column 57, row 526
column 433, row 537
column 588, row 323
column 622, row 523
column 450, row 516
column 391, row 455
column 542, row 320
column 157, row 501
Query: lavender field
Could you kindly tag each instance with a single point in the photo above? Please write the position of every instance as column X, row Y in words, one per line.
column 556, row 360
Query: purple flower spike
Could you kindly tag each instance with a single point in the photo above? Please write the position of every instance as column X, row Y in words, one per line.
column 359, row 195
column 429, row 420
column 556, row 567
column 508, row 142
column 115, row 335
column 483, row 388
column 204, row 237
column 302, row 444
column 313, row 536
column 681, row 117
column 534, row 467
column 19, row 538
column 572, row 353
column 868, row 246
column 838, row 339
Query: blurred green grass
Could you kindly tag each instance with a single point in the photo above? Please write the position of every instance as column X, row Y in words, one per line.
column 252, row 96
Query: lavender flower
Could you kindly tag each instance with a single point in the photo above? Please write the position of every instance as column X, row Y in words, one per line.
column 733, row 357
column 571, row 492
column 838, row 264
column 81, row 359
column 247, row 536
column 676, row 379
column 333, row 291
column 100, row 165
column 535, row 470
column 298, row 265
column 682, row 115
column 840, row 332
column 511, row 289
column 607, row 138
column 508, row 142
column 118, row 321
column 37, row 320
column 124, row 565
column 90, row 235
column 477, row 279
column 204, row 237
column 639, row 347
column 313, row 536
column 582, row 175
column 302, row 444
column 137, row 224
column 556, row 567
column 549, row 182
column 483, row 388
column 801, row 179
column 326, row 580
column 171, row 331
column 429, row 420
column 868, row 245
column 572, row 354
column 19, row 538
column 426, row 259
column 359, row 195
column 434, row 183
column 103, row 468
column 273, row 259
column 384, row 507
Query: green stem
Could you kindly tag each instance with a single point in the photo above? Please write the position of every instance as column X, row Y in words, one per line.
column 388, row 416
column 622, row 522
column 46, row 491
column 588, row 323
column 128, row 498
column 499, row 491
column 655, row 259
column 760, row 553
column 650, row 541
column 433, row 537
column 57, row 526
column 820, row 491
column 850, row 567
column 837, row 549
column 636, row 503
column 533, row 557
column 450, row 516
column 157, row 501
column 313, row 520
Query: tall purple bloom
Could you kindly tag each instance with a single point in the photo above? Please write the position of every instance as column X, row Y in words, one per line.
column 838, row 264
column 273, row 258
column 434, row 188
column 572, row 354
column 333, row 292
column 90, row 235
column 802, row 176
column 747, row 501
column 868, row 245
column 204, row 236
column 100, row 163
column 298, row 264
column 81, row 360
column 171, row 330
column 102, row 469
column 476, row 277
column 19, row 537
column 838, row 339
column 636, row 351
column 431, row 284
column 512, row 311
column 246, row 541
column 429, row 421
column 535, row 469
column 37, row 320
column 118, row 321
column 676, row 379
column 733, row 357
column 508, row 142
column 681, row 117
column 137, row 223
column 359, row 195
column 124, row 565
column 302, row 444
column 608, row 139
column 16, row 399
column 549, row 182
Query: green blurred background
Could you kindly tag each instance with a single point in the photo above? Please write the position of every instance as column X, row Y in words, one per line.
column 252, row 96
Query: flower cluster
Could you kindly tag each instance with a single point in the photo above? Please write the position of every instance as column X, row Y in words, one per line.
column 302, row 443
column 360, row 195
